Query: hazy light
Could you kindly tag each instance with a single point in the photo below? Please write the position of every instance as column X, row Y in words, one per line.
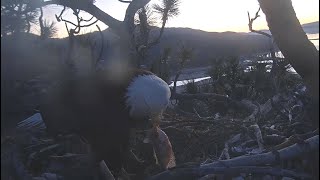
column 231, row 15
column 207, row 15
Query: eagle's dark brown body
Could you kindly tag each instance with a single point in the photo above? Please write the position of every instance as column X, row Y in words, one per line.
column 93, row 107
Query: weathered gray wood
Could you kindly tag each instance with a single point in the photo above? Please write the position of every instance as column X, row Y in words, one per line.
column 296, row 150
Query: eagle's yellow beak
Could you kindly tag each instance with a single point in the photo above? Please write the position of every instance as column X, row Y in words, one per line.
column 156, row 119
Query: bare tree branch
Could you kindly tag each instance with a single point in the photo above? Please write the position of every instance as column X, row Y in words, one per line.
column 91, row 9
column 41, row 22
column 168, row 9
column 87, row 20
column 58, row 17
column 272, row 51
column 102, row 46
column 65, row 23
column 125, row 1
column 185, row 55
column 77, row 26
column 133, row 7
column 251, row 22
column 105, row 172
column 157, row 40
column 251, row 107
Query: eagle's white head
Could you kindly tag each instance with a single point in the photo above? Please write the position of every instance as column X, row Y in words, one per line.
column 147, row 96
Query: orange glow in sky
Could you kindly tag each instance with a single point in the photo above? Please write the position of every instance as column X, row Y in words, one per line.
column 231, row 15
column 207, row 15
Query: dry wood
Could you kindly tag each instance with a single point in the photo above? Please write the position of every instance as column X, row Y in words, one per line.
column 202, row 96
column 105, row 172
column 311, row 145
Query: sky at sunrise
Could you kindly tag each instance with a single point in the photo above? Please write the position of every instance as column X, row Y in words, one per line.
column 207, row 15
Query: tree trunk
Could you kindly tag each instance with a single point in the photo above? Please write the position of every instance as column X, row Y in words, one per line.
column 28, row 27
column 19, row 24
column 41, row 24
column 127, row 52
column 174, row 90
column 294, row 44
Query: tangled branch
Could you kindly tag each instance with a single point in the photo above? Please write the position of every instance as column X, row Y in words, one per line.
column 78, row 26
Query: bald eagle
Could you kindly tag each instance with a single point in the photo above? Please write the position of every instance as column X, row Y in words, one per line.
column 102, row 110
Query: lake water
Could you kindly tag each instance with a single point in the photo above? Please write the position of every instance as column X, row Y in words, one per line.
column 184, row 82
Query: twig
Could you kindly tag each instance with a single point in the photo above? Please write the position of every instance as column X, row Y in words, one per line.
column 41, row 23
column 68, row 156
column 58, row 17
column 196, row 112
column 102, row 47
column 225, row 152
column 258, row 134
column 200, row 96
column 290, row 112
column 87, row 20
column 125, row 1
column 79, row 26
column 251, row 23
column 105, row 172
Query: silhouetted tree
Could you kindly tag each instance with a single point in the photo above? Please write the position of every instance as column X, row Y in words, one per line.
column 294, row 45
column 184, row 55
column 124, row 29
column 17, row 16
column 167, row 9
column 226, row 72
column 49, row 29
column 161, row 66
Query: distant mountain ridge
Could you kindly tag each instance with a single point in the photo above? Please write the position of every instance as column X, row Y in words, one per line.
column 309, row 28
column 207, row 45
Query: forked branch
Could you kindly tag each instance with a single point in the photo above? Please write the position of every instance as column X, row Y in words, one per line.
column 251, row 23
